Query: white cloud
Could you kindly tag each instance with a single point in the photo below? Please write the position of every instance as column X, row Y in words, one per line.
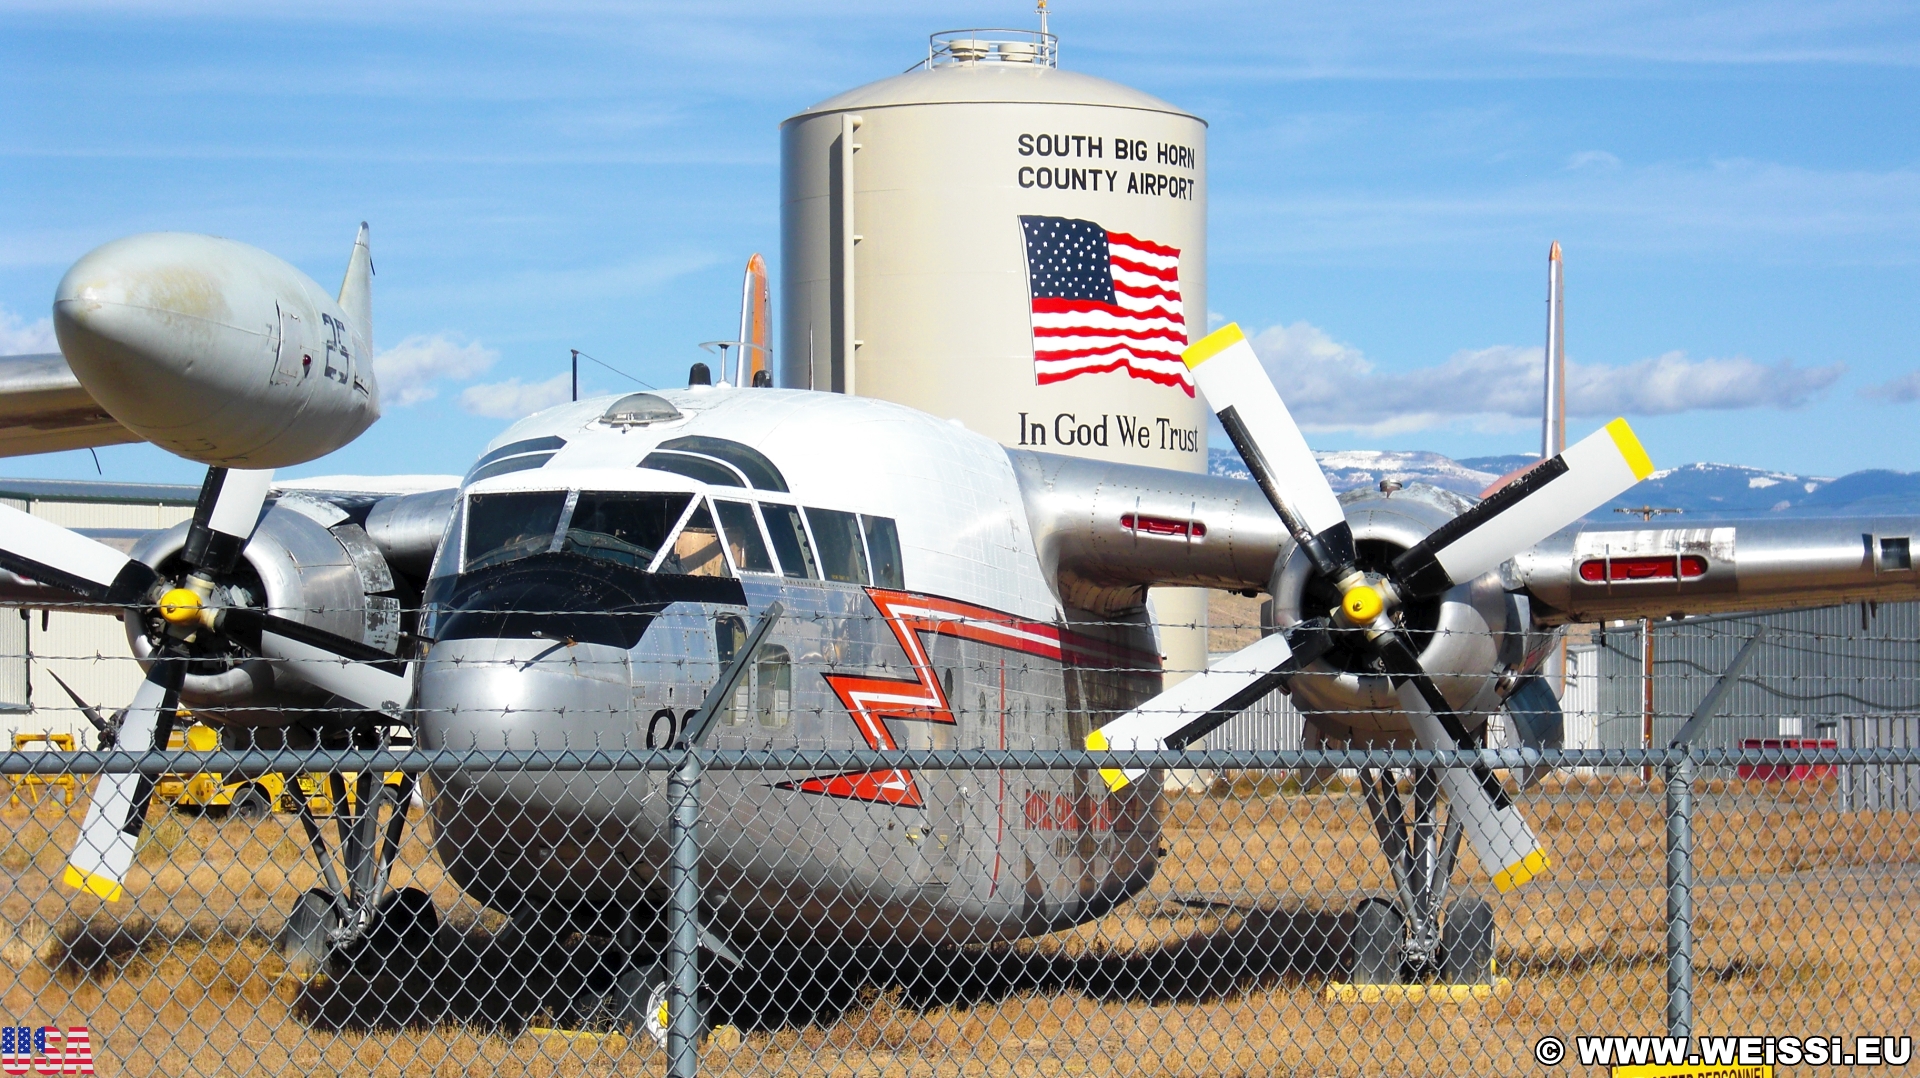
column 1901, row 390
column 513, row 399
column 1593, row 159
column 1330, row 385
column 20, row 337
column 409, row 370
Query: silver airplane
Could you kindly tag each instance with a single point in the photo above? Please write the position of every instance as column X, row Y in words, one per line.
column 859, row 575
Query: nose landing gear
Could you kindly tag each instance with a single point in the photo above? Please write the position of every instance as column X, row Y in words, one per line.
column 345, row 924
column 1418, row 936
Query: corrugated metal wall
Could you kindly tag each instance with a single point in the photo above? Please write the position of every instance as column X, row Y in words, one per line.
column 1849, row 673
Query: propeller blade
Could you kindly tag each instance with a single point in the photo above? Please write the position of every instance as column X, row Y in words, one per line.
column 1507, row 848
column 1538, row 720
column 118, row 809
column 92, row 713
column 1547, row 497
column 1271, row 445
column 1192, row 709
column 370, row 678
column 225, row 516
column 65, row 559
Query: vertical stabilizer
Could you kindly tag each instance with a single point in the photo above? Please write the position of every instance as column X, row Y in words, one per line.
column 1553, row 428
column 356, row 289
column 756, row 325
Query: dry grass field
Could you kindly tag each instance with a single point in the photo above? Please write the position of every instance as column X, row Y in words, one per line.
column 1808, row 923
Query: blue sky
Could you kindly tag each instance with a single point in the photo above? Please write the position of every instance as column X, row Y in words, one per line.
column 1736, row 185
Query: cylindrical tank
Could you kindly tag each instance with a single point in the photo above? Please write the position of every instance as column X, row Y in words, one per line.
column 994, row 240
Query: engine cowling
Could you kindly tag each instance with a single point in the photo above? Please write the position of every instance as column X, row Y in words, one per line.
column 220, row 352
column 308, row 561
column 1469, row 638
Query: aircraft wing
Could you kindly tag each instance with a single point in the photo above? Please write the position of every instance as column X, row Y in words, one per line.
column 43, row 408
column 1109, row 531
column 1599, row 572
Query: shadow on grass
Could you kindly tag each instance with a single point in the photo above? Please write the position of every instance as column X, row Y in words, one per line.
column 503, row 981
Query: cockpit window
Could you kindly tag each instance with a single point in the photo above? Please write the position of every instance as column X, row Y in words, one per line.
column 883, row 546
column 696, row 550
column 750, row 462
column 623, row 528
column 744, row 542
column 707, row 470
column 836, row 536
column 502, row 527
column 790, row 541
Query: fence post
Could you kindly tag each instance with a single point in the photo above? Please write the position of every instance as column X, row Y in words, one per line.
column 683, row 918
column 1680, row 893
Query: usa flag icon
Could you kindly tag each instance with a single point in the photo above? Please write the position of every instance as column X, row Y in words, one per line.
column 45, row 1050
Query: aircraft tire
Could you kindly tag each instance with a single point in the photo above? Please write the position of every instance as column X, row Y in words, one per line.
column 303, row 942
column 1466, row 941
column 250, row 803
column 640, row 998
column 404, row 924
column 1378, row 929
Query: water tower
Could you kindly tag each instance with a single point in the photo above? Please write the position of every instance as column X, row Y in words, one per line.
column 990, row 238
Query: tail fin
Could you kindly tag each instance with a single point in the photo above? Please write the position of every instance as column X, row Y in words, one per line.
column 356, row 290
column 755, row 330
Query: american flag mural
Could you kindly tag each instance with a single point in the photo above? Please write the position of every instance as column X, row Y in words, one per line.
column 1103, row 301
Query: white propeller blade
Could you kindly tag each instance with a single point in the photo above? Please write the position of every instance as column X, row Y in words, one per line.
column 225, row 516
column 1187, row 711
column 365, row 675
column 65, row 559
column 118, row 809
column 1549, row 496
column 1270, row 442
column 1505, row 845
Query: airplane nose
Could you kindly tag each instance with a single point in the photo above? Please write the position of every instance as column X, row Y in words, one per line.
column 524, row 694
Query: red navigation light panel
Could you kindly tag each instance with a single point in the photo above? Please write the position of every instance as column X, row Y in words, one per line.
column 1616, row 570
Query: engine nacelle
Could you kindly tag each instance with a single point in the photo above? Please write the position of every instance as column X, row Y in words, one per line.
column 309, row 562
column 218, row 351
column 1468, row 638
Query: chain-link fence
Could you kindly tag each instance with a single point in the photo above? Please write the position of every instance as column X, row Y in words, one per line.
column 1253, row 928
column 338, row 892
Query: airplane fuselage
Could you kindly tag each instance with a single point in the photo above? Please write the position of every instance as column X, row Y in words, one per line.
column 589, row 592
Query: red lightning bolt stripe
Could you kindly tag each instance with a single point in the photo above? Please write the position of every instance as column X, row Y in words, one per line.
column 871, row 701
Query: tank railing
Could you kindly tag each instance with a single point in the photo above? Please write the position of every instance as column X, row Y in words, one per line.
column 991, row 45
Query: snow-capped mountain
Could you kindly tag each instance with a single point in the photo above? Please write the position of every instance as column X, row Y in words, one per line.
column 1700, row 489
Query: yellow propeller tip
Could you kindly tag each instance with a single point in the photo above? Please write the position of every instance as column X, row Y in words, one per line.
column 99, row 886
column 1212, row 345
column 1521, row 871
column 1630, row 448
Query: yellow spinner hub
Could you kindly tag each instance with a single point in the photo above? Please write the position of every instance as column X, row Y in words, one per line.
column 1362, row 604
column 180, row 606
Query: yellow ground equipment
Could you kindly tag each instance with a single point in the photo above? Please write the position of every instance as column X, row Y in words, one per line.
column 62, row 783
column 254, row 795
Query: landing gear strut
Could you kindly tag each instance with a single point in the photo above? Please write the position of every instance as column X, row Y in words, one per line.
column 1408, row 939
column 356, row 918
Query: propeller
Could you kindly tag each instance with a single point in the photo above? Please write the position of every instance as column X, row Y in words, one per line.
column 225, row 515
column 101, row 727
column 1547, row 497
column 1194, row 708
